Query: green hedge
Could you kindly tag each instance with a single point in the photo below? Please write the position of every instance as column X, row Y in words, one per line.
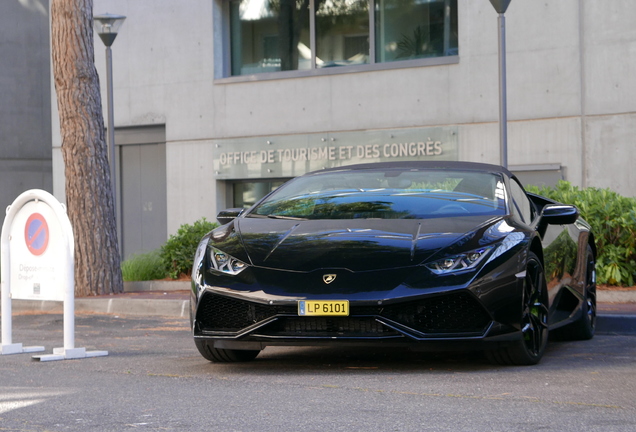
column 173, row 259
column 142, row 267
column 178, row 252
column 613, row 221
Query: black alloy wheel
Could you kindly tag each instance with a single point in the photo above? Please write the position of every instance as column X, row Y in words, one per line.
column 534, row 320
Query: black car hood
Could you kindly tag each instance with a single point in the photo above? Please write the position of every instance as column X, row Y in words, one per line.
column 355, row 245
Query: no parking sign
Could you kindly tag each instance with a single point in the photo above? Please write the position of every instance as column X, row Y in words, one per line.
column 36, row 234
column 39, row 250
column 37, row 264
column 37, row 259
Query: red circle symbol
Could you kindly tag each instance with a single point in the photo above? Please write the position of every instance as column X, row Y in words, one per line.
column 36, row 234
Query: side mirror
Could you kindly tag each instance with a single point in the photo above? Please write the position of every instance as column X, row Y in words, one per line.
column 559, row 214
column 228, row 215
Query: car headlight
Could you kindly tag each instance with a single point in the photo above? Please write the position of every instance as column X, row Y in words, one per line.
column 225, row 263
column 460, row 262
column 198, row 256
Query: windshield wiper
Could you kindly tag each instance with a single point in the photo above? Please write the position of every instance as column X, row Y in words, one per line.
column 285, row 217
column 260, row 216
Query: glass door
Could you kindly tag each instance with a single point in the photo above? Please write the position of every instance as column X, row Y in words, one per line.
column 247, row 193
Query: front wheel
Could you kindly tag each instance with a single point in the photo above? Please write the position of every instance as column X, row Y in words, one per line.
column 220, row 355
column 534, row 321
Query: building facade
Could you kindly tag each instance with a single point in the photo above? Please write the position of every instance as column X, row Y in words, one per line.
column 219, row 101
column 25, row 100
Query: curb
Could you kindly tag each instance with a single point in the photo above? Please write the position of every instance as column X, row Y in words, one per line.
column 157, row 285
column 607, row 323
column 145, row 299
column 618, row 296
column 141, row 307
column 115, row 306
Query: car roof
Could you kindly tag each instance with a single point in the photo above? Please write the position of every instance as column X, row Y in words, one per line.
column 407, row 165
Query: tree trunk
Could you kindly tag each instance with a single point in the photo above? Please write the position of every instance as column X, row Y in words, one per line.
column 89, row 194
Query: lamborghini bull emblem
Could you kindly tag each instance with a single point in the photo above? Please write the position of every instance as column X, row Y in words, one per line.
column 328, row 278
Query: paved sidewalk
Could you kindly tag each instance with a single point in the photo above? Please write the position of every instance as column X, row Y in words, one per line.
column 616, row 308
column 139, row 303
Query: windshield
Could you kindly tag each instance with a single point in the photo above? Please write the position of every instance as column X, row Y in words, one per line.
column 385, row 194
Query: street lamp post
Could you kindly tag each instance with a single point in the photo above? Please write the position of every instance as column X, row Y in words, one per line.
column 107, row 26
column 501, row 6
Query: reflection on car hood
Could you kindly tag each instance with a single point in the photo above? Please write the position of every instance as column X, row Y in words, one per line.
column 356, row 245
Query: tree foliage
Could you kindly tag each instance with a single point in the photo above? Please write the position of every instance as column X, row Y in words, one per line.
column 178, row 252
column 613, row 221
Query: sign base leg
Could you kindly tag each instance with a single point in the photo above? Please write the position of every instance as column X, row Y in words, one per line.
column 19, row 349
column 69, row 354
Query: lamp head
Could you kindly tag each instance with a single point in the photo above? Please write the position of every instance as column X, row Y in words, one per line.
column 500, row 5
column 107, row 26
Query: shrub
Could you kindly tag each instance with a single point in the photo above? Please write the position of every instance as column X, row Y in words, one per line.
column 613, row 221
column 177, row 254
column 143, row 267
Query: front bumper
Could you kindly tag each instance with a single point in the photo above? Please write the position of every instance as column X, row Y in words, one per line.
column 444, row 318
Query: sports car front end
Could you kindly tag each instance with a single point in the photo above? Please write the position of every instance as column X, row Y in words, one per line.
column 400, row 257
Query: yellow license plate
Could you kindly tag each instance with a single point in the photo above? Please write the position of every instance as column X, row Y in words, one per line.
column 323, row 307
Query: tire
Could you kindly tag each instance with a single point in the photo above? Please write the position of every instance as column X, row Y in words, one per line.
column 585, row 326
column 529, row 349
column 219, row 355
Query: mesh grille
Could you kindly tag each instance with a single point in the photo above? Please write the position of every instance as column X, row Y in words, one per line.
column 452, row 313
column 322, row 326
column 220, row 313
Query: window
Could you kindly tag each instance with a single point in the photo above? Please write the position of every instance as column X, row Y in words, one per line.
column 385, row 194
column 246, row 193
column 269, row 35
column 521, row 205
column 411, row 29
column 293, row 35
column 342, row 32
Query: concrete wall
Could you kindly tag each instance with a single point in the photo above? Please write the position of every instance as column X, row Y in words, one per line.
column 25, row 99
column 571, row 92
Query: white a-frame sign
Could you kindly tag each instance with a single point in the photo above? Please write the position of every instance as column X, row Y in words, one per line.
column 38, row 264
